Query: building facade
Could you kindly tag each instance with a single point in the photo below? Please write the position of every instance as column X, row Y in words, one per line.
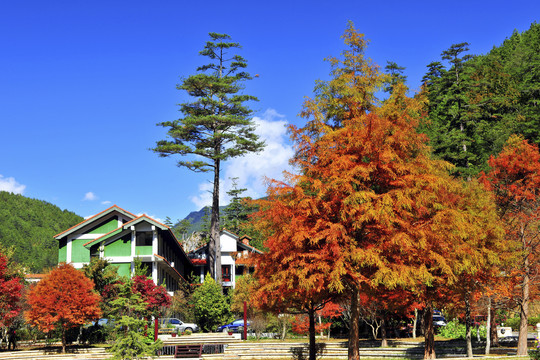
column 120, row 237
column 234, row 254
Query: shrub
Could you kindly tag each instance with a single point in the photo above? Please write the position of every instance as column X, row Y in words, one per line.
column 211, row 307
column 514, row 322
column 456, row 330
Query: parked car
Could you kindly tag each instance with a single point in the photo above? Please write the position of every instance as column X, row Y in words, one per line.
column 235, row 326
column 179, row 325
column 439, row 320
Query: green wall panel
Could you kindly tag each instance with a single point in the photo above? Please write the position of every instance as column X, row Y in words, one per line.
column 78, row 252
column 105, row 227
column 124, row 269
column 120, row 247
column 143, row 250
column 62, row 251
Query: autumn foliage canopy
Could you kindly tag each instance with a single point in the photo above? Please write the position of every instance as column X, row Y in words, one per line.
column 370, row 206
column 10, row 294
column 63, row 299
column 514, row 179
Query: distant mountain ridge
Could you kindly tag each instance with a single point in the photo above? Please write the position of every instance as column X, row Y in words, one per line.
column 29, row 226
column 197, row 218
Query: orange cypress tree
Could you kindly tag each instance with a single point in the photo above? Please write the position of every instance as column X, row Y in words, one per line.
column 514, row 178
column 370, row 205
column 63, row 299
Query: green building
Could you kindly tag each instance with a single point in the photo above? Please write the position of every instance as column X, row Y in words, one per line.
column 120, row 237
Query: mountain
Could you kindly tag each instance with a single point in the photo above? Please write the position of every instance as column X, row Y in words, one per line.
column 197, row 219
column 29, row 226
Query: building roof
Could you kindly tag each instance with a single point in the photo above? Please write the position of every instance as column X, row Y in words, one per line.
column 93, row 218
column 126, row 226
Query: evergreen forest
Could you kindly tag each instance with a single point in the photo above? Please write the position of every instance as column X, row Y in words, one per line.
column 28, row 225
column 477, row 101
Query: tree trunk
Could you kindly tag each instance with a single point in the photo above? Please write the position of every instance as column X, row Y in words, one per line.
column 493, row 331
column 524, row 312
column 384, row 339
column 354, row 329
column 429, row 342
column 214, row 225
column 414, row 323
column 312, row 348
column 63, row 340
column 468, row 331
column 488, row 327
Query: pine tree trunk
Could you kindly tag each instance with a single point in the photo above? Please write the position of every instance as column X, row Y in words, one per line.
column 429, row 342
column 354, row 328
column 214, row 226
column 312, row 348
column 468, row 331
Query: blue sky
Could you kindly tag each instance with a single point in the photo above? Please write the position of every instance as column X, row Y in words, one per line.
column 83, row 84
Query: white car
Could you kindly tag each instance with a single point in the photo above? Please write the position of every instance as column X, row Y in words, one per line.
column 179, row 325
column 439, row 320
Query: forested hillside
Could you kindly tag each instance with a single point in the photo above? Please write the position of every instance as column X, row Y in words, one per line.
column 29, row 226
column 477, row 102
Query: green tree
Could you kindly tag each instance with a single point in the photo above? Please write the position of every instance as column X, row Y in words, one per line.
column 237, row 211
column 211, row 307
column 180, row 228
column 216, row 126
column 130, row 313
column 520, row 57
column 396, row 75
column 451, row 132
column 101, row 272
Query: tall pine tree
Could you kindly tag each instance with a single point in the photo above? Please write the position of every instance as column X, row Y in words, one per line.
column 216, row 126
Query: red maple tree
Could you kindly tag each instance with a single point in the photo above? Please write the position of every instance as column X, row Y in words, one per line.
column 154, row 295
column 63, row 299
column 10, row 294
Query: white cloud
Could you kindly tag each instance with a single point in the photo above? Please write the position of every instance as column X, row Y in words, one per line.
column 106, row 202
column 204, row 198
column 253, row 168
column 11, row 185
column 90, row 196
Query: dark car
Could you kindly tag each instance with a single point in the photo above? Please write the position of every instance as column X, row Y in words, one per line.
column 235, row 326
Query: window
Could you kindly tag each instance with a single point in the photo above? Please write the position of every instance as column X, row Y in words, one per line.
column 226, row 273
column 144, row 238
column 94, row 251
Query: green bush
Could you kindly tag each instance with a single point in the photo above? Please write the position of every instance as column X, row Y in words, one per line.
column 211, row 307
column 456, row 330
column 514, row 322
